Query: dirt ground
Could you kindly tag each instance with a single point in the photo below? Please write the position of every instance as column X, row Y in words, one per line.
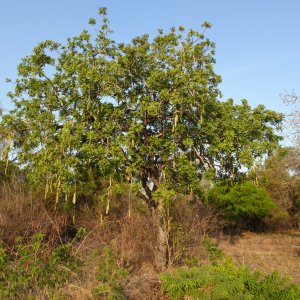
column 265, row 251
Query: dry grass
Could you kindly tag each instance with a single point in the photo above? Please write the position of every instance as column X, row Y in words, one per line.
column 266, row 251
column 195, row 221
column 144, row 284
column 24, row 213
column 133, row 240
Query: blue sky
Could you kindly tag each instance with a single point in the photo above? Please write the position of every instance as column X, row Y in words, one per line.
column 257, row 42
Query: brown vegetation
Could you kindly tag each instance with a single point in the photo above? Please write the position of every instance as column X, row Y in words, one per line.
column 23, row 212
column 266, row 251
column 132, row 239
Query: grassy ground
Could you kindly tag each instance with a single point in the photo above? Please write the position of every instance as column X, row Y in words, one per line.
column 266, row 251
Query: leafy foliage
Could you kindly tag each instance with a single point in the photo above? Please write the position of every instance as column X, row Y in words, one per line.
column 243, row 135
column 111, row 277
column 29, row 268
column 243, row 202
column 147, row 110
column 226, row 281
column 214, row 254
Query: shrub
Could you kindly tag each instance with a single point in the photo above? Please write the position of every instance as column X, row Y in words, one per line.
column 226, row 281
column 111, row 277
column 28, row 268
column 243, row 203
column 213, row 252
column 279, row 219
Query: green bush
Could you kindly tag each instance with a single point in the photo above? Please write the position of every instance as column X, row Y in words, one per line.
column 29, row 269
column 226, row 281
column 111, row 277
column 213, row 252
column 243, row 203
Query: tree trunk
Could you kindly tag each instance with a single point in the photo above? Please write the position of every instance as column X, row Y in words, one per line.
column 160, row 254
column 161, row 245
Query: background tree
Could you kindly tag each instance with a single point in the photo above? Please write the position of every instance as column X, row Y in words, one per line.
column 280, row 177
column 290, row 98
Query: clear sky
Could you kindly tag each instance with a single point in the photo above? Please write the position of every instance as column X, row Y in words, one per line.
column 257, row 41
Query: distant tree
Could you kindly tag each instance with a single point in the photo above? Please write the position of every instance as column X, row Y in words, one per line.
column 290, row 98
column 280, row 176
column 291, row 157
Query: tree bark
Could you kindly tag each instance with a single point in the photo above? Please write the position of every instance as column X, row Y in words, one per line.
column 160, row 254
column 161, row 245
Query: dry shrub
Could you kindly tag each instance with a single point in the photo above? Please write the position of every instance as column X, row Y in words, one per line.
column 136, row 242
column 75, row 290
column 192, row 222
column 102, row 229
column 132, row 242
column 133, row 238
column 24, row 212
column 279, row 220
column 18, row 212
column 144, row 284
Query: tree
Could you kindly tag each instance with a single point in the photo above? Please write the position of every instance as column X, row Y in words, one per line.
column 290, row 98
column 280, row 177
column 237, row 137
column 146, row 112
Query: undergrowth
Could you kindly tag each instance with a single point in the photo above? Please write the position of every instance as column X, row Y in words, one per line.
column 31, row 267
column 111, row 277
column 222, row 280
column 48, row 261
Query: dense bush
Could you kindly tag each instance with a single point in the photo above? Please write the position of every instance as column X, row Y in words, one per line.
column 226, row 281
column 31, row 267
column 243, row 203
